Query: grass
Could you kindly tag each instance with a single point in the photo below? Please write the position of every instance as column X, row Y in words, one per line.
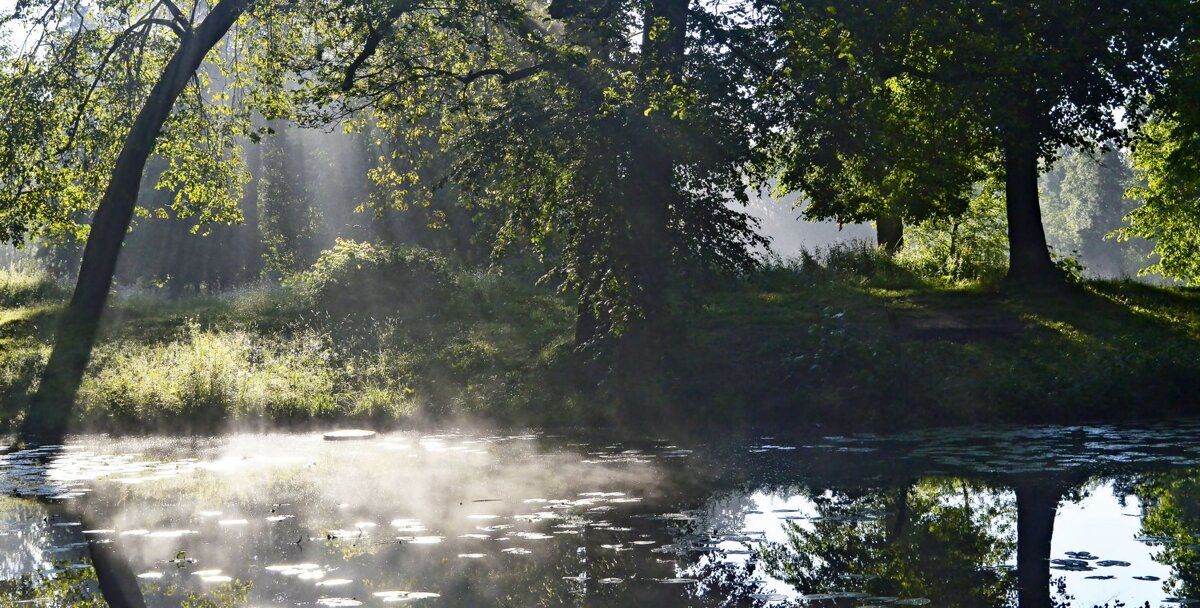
column 849, row 339
column 264, row 356
column 857, row 341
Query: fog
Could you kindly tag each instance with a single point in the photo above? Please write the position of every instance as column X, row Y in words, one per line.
column 783, row 222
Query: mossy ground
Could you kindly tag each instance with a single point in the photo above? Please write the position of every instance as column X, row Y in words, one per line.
column 853, row 344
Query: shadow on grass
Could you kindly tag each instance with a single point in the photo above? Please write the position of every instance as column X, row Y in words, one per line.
column 801, row 347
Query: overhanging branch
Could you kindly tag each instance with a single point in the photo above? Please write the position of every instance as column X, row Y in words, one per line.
column 375, row 35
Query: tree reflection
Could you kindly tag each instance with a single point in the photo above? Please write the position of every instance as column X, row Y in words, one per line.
column 947, row 539
column 1037, row 500
column 1171, row 519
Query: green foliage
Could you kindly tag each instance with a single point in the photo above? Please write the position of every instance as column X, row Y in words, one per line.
column 939, row 538
column 862, row 137
column 363, row 278
column 289, row 220
column 235, row 594
column 1083, row 202
column 969, row 247
column 206, row 377
column 855, row 262
column 897, row 110
column 625, row 157
column 23, row 288
column 1171, row 512
column 494, row 350
column 1165, row 159
column 70, row 96
column 66, row 585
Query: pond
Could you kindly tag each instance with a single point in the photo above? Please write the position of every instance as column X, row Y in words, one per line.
column 1078, row 516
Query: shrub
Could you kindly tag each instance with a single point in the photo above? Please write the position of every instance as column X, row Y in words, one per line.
column 355, row 277
column 969, row 247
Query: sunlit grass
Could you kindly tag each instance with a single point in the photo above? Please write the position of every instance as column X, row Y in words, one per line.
column 262, row 356
column 851, row 342
column 840, row 341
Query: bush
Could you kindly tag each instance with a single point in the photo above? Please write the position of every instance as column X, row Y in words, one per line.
column 855, row 261
column 379, row 281
column 970, row 247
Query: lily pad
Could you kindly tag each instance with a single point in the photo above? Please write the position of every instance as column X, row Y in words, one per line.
column 349, row 435
column 338, row 602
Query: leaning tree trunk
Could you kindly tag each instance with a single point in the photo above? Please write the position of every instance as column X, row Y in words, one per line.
column 1029, row 263
column 50, row 407
column 889, row 231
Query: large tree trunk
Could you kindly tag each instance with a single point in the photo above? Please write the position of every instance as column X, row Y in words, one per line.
column 889, row 232
column 654, row 160
column 647, row 207
column 50, row 407
column 1029, row 263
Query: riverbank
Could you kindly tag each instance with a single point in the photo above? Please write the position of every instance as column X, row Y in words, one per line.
column 878, row 347
column 853, row 343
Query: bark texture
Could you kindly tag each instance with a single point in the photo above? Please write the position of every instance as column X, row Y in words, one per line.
column 1029, row 263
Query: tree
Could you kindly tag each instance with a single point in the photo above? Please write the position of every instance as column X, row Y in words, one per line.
column 938, row 539
column 103, row 87
column 289, row 217
column 862, row 139
column 1171, row 512
column 78, row 325
column 1083, row 198
column 1166, row 161
column 1026, row 78
column 970, row 246
column 613, row 160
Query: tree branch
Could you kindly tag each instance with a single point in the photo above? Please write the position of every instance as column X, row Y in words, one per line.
column 506, row 77
column 108, row 54
column 374, row 36
column 706, row 21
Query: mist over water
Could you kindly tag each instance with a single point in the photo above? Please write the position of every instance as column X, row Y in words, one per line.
column 467, row 518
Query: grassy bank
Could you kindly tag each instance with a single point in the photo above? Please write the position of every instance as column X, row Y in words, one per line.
column 851, row 340
column 857, row 341
column 267, row 356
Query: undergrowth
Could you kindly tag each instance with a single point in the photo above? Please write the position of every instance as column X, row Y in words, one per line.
column 845, row 337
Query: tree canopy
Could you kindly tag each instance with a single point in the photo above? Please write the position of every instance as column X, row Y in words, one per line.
column 999, row 84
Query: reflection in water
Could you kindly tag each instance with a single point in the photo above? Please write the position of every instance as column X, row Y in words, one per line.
column 1171, row 524
column 936, row 538
column 960, row 518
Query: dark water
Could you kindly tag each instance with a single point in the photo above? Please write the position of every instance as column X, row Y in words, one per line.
column 1077, row 516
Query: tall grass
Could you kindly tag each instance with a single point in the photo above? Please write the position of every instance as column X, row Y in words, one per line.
column 268, row 355
column 24, row 284
column 207, row 377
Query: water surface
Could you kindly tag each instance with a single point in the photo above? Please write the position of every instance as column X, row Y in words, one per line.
column 1078, row 516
